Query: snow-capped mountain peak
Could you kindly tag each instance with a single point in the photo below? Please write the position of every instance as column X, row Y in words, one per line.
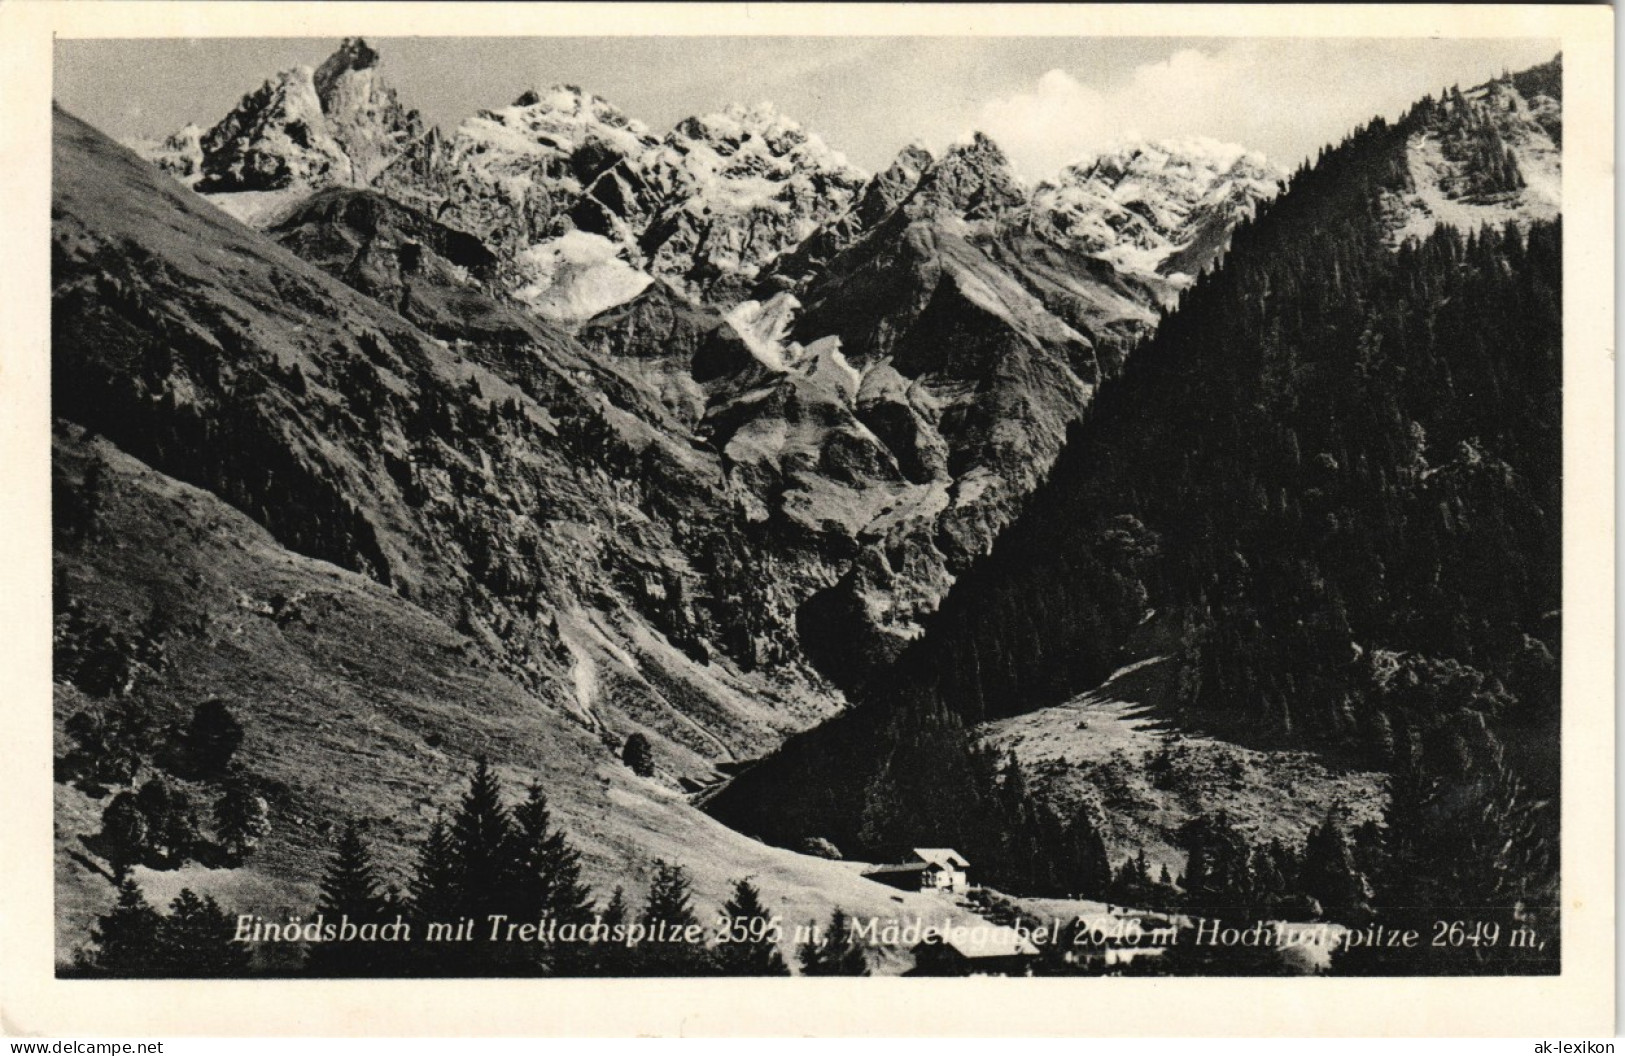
column 757, row 140
column 564, row 118
column 729, row 192
column 511, row 176
column 1160, row 207
column 1190, row 154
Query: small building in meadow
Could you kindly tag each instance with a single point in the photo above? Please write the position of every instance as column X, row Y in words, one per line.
column 980, row 949
column 931, row 869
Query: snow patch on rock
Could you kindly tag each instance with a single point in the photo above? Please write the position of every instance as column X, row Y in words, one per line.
column 575, row 276
column 764, row 326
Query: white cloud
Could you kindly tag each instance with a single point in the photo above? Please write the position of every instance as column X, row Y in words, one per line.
column 1062, row 119
column 1048, row 127
column 1285, row 98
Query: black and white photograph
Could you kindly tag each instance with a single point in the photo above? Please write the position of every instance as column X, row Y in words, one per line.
column 700, row 506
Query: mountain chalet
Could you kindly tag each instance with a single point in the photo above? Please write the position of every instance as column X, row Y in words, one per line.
column 931, row 869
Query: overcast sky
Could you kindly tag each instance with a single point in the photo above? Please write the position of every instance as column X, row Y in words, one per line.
column 1047, row 101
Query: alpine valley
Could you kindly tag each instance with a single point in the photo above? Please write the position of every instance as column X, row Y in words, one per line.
column 485, row 521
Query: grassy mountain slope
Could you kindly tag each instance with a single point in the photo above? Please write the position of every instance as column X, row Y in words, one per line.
column 357, row 704
column 504, row 480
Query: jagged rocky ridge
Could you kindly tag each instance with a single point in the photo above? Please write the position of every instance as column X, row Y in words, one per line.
column 888, row 364
column 1161, row 208
column 338, row 123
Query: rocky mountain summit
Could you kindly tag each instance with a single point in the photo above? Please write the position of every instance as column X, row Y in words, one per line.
column 512, row 176
column 336, row 124
column 1155, row 209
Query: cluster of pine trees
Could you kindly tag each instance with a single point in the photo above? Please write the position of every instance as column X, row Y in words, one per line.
column 1471, row 137
column 1228, row 878
column 933, row 785
column 184, row 795
column 193, row 940
column 489, row 859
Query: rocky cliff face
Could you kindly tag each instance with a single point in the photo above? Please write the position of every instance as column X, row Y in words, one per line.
column 757, row 184
column 363, row 114
column 511, row 176
column 276, row 137
column 721, row 197
column 883, row 193
column 438, row 278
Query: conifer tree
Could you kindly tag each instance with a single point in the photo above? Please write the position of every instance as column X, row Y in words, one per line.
column 670, row 897
column 838, row 952
column 481, row 836
column 547, row 870
column 671, row 903
column 1218, row 876
column 351, row 889
column 545, row 877
column 611, row 957
column 435, row 889
column 435, row 897
column 196, row 940
column 1093, row 865
column 1330, row 875
column 124, row 940
column 750, row 935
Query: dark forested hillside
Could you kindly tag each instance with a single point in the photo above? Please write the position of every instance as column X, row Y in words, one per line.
column 1332, row 477
column 1333, row 460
